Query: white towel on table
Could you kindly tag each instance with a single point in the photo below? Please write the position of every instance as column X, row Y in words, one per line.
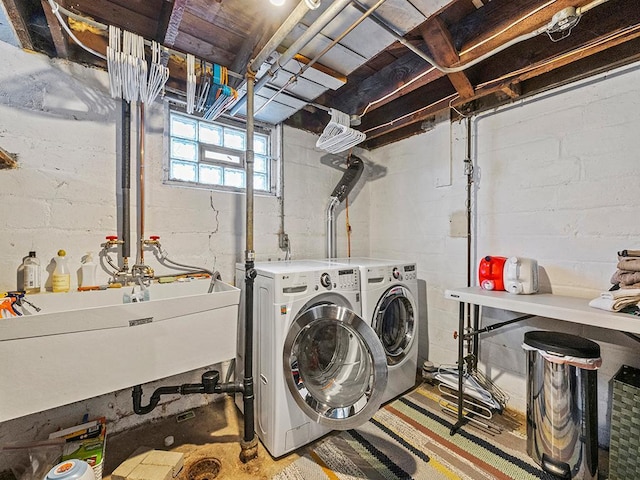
column 612, row 305
column 622, row 293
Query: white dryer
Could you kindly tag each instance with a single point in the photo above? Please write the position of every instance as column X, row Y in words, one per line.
column 389, row 303
column 318, row 366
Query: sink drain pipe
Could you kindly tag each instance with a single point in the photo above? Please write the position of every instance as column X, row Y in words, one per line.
column 210, row 384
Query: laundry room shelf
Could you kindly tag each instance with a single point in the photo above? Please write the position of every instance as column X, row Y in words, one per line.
column 570, row 309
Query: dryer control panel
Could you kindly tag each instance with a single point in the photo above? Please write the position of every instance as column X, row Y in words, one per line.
column 410, row 272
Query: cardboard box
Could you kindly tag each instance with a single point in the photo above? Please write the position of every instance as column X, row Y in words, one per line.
column 85, row 442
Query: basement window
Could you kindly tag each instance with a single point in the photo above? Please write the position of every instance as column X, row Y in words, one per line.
column 211, row 155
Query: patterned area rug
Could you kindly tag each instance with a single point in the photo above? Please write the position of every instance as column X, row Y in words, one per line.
column 409, row 439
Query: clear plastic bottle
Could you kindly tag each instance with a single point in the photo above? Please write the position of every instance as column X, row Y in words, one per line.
column 30, row 274
column 61, row 281
column 88, row 271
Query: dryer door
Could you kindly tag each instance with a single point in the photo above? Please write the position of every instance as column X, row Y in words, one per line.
column 395, row 323
column 335, row 366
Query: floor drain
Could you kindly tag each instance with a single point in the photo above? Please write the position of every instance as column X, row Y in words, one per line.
column 205, row 469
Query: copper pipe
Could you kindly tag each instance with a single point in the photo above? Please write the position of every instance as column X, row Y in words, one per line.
column 140, row 260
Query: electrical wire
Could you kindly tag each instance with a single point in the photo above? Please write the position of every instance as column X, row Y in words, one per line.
column 508, row 27
column 55, row 9
column 577, row 51
column 409, row 114
column 400, row 88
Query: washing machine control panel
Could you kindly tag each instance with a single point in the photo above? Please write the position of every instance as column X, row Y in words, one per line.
column 348, row 279
column 340, row 279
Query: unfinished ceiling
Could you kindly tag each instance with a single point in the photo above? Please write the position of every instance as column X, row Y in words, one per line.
column 380, row 67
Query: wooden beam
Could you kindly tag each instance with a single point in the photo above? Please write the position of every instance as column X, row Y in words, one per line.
column 500, row 21
column 7, row 160
column 437, row 37
column 593, row 35
column 392, row 137
column 169, row 22
column 17, row 18
column 410, row 108
column 57, row 35
column 109, row 12
column 511, row 90
column 355, row 97
column 626, row 41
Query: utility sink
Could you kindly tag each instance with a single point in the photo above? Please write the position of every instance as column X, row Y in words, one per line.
column 84, row 344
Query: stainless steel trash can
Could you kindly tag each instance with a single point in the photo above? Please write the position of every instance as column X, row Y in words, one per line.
column 562, row 409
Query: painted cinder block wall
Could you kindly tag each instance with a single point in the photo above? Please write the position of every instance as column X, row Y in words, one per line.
column 61, row 122
column 555, row 179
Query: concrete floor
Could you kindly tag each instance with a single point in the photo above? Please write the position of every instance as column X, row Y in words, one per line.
column 215, row 431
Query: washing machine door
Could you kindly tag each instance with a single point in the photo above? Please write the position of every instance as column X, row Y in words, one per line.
column 335, row 366
column 395, row 323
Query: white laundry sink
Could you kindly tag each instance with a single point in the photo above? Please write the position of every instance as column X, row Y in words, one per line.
column 84, row 344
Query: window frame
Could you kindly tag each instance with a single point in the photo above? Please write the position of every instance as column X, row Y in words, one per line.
column 273, row 166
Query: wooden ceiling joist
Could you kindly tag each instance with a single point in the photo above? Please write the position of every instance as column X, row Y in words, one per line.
column 500, row 21
column 16, row 16
column 57, row 35
column 437, row 37
column 354, row 98
column 170, row 20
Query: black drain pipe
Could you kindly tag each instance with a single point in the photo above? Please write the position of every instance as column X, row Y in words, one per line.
column 210, row 384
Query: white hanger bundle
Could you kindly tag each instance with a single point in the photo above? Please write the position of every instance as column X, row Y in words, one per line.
column 134, row 65
column 338, row 136
column 114, row 65
column 158, row 76
column 127, row 67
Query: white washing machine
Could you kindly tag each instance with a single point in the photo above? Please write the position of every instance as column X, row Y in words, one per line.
column 318, row 366
column 389, row 304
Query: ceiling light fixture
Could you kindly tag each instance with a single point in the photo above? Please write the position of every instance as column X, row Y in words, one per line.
column 277, row 3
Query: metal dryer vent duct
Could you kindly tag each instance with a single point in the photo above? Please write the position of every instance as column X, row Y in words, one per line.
column 355, row 166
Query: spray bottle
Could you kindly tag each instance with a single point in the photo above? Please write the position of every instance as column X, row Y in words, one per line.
column 61, row 276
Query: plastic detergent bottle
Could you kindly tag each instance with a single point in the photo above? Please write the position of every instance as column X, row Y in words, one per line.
column 88, row 271
column 30, row 274
column 61, row 276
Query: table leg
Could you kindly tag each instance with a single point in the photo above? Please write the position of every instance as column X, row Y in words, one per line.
column 461, row 340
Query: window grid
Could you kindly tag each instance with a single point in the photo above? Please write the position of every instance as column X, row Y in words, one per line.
column 212, row 154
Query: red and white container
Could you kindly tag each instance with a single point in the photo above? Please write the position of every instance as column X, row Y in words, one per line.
column 491, row 273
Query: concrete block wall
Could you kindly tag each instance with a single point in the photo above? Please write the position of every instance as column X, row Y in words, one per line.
column 61, row 122
column 554, row 180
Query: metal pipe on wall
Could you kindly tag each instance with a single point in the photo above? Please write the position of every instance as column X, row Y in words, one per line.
column 126, row 178
column 274, row 42
column 331, row 246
